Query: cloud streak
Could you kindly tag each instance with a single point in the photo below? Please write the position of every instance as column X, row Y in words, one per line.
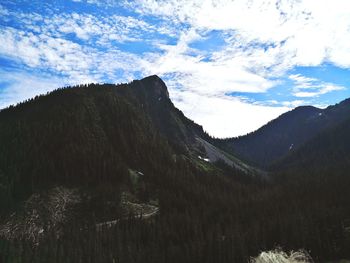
column 310, row 87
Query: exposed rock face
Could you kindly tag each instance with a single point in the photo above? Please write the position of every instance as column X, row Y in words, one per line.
column 155, row 85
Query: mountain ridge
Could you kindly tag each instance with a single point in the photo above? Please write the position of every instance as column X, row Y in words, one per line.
column 286, row 133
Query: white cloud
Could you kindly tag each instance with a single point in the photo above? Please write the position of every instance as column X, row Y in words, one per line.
column 218, row 76
column 19, row 45
column 293, row 103
column 311, row 87
column 4, row 11
column 311, row 31
column 87, row 27
column 322, row 90
column 77, row 63
column 224, row 116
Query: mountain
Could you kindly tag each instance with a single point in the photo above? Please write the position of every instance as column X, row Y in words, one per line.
column 184, row 135
column 72, row 133
column 328, row 151
column 285, row 134
column 94, row 154
column 116, row 173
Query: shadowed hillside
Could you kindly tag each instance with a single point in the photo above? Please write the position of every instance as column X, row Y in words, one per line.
column 286, row 134
column 115, row 173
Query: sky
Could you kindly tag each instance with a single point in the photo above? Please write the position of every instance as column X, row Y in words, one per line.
column 230, row 65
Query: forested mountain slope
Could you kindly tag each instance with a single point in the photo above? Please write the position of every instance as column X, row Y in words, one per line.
column 80, row 135
column 85, row 134
column 286, row 133
column 115, row 173
column 326, row 153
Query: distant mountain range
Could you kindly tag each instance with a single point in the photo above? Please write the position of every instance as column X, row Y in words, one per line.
column 116, row 173
column 286, row 137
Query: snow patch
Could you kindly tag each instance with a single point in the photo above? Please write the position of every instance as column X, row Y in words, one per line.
column 204, row 159
column 320, row 114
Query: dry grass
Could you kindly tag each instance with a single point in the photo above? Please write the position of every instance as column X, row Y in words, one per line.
column 278, row 256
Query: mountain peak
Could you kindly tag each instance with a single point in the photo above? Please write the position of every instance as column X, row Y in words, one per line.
column 156, row 84
column 345, row 102
column 306, row 108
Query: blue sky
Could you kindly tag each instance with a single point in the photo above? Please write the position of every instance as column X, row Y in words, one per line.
column 231, row 66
